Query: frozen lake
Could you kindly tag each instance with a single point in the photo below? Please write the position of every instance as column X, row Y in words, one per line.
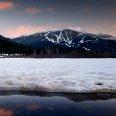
column 58, row 75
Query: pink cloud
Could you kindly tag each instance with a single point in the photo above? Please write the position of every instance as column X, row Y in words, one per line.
column 36, row 10
column 28, row 29
column 6, row 5
column 33, row 10
column 23, row 30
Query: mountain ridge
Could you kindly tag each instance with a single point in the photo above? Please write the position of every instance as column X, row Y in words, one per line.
column 63, row 43
column 66, row 37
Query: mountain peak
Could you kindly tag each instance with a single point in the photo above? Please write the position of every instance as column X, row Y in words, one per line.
column 1, row 36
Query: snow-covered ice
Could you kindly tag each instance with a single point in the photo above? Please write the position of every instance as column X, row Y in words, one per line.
column 58, row 75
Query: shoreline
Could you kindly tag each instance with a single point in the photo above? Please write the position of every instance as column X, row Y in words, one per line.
column 60, row 57
column 76, row 97
column 45, row 56
column 57, row 93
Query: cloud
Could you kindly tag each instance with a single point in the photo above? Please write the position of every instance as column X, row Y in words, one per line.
column 33, row 10
column 6, row 5
column 49, row 9
column 29, row 29
column 36, row 10
column 23, row 30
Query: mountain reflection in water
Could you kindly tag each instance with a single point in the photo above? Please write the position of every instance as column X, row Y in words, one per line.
column 56, row 104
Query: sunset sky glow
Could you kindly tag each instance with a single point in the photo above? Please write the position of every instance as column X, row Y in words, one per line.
column 20, row 17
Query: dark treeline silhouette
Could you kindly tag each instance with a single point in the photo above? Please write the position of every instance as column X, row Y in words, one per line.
column 8, row 47
column 25, row 51
column 71, row 53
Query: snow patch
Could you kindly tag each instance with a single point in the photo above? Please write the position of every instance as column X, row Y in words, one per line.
column 58, row 75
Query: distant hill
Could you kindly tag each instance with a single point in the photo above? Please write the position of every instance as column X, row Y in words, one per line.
column 8, row 46
column 61, row 43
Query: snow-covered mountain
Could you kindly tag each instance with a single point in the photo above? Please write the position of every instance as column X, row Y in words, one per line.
column 69, row 39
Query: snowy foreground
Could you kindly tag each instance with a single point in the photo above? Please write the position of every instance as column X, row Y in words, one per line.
column 58, row 75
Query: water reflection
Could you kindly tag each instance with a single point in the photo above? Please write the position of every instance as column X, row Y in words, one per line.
column 5, row 112
column 54, row 104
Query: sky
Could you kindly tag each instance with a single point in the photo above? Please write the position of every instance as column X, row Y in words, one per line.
column 22, row 17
